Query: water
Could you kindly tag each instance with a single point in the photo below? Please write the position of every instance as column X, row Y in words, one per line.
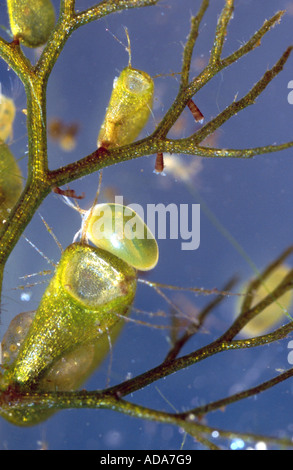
column 251, row 199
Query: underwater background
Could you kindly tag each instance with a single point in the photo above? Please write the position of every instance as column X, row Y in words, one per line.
column 246, row 217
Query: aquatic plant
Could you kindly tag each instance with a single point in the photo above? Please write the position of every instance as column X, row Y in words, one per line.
column 41, row 181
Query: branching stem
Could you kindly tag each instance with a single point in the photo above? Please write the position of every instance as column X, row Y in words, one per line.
column 41, row 180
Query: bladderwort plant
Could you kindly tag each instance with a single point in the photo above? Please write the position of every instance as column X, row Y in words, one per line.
column 26, row 400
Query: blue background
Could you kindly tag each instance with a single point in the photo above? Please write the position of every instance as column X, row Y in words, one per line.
column 251, row 199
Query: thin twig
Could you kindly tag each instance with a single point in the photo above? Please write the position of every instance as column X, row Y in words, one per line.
column 221, row 33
